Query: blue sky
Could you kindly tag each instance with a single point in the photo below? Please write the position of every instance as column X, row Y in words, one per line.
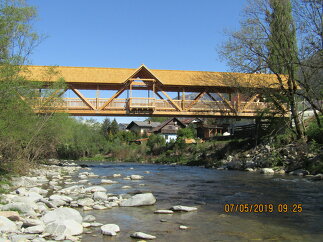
column 162, row 34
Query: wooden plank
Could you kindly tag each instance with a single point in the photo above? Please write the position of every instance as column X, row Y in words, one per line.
column 113, row 97
column 83, row 98
column 196, row 99
column 249, row 102
column 226, row 102
column 171, row 100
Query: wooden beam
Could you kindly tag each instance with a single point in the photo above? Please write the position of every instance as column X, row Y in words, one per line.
column 58, row 92
column 114, row 96
column 196, row 99
column 84, row 99
column 171, row 101
column 159, row 95
column 249, row 102
column 226, row 102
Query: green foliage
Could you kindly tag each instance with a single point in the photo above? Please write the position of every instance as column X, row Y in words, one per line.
column 186, row 133
column 156, row 143
column 314, row 132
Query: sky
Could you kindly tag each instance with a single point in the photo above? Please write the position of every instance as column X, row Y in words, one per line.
column 162, row 34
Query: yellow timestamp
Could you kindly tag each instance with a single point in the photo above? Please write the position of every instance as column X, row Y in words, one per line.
column 263, row 208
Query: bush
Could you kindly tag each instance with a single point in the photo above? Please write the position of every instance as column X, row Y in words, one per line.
column 314, row 132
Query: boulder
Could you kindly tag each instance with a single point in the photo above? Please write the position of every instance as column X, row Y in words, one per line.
column 141, row 235
column 11, row 215
column 139, row 200
column 7, row 225
column 110, row 229
column 60, row 197
column 95, row 189
column 267, row 171
column 61, row 214
column 38, row 229
column 26, row 208
column 99, row 207
column 89, row 218
column 299, row 172
column 317, row 177
column 85, row 202
column 100, row 196
column 38, row 190
column 183, row 208
column 116, row 175
column 136, row 177
column 63, row 229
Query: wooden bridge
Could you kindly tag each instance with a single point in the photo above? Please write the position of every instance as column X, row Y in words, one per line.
column 197, row 93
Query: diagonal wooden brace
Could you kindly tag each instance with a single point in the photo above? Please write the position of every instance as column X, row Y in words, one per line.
column 249, row 102
column 84, row 99
column 171, row 101
column 226, row 102
column 118, row 93
column 198, row 97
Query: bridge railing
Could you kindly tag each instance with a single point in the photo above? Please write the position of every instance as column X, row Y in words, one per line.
column 149, row 103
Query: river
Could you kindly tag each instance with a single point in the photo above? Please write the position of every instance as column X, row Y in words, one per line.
column 210, row 190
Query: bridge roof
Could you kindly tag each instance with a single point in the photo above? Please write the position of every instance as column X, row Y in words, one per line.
column 94, row 75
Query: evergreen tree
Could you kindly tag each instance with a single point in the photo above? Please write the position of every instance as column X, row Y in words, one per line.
column 282, row 46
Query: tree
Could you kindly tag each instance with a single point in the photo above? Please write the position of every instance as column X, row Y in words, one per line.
column 265, row 43
column 282, row 47
column 309, row 24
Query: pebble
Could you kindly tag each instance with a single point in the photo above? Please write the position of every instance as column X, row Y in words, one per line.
column 183, row 208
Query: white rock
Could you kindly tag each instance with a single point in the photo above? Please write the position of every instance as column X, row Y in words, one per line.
column 136, row 177
column 183, row 227
column 60, row 197
column 267, row 171
column 89, row 218
column 85, row 202
column 99, row 207
column 183, row 208
column 38, row 190
column 86, row 225
column 95, row 189
column 164, row 211
column 100, row 196
column 64, row 228
column 26, row 208
column 38, row 229
column 141, row 235
column 110, row 229
column 139, row 200
column 7, row 225
column 76, row 189
column 126, row 187
column 61, row 214
column 96, row 224
column 105, row 181
column 86, row 208
column 116, row 175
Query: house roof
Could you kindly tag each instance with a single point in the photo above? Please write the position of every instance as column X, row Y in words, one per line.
column 143, row 124
column 94, row 75
column 190, row 120
column 162, row 125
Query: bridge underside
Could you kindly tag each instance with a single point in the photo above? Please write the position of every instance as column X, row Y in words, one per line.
column 154, row 100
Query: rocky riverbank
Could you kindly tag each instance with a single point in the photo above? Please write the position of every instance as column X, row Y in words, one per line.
column 293, row 159
column 48, row 204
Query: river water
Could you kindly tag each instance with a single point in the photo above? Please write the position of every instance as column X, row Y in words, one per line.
column 210, row 190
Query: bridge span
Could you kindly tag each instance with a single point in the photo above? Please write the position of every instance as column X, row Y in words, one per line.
column 162, row 92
